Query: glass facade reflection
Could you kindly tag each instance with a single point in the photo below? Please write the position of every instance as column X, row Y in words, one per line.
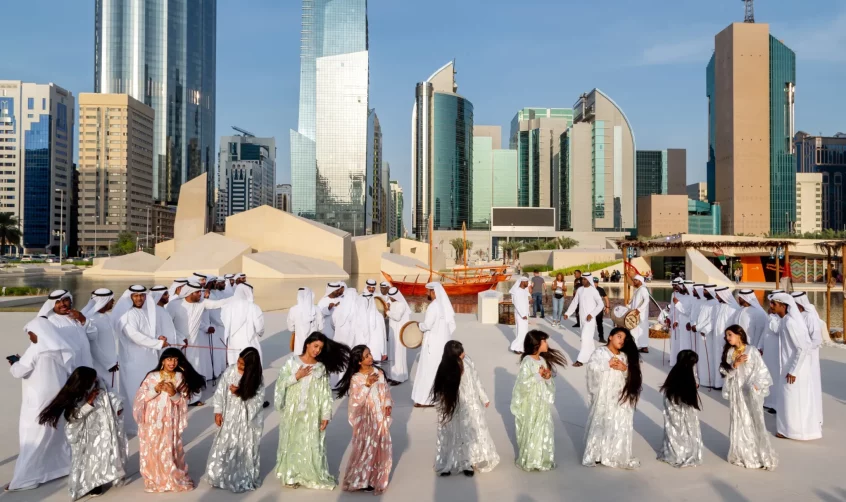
column 38, row 192
column 329, row 147
column 482, row 182
column 826, row 155
column 782, row 153
column 651, row 172
column 163, row 53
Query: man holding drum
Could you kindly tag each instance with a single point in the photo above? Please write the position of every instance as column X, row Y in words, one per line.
column 438, row 327
column 589, row 305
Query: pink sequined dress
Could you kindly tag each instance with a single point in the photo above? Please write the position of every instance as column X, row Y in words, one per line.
column 371, row 457
column 161, row 420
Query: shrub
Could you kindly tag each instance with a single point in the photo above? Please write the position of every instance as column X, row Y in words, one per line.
column 529, row 269
column 587, row 267
column 23, row 291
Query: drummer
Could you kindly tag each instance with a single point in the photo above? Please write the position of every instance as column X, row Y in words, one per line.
column 438, row 327
column 371, row 287
column 398, row 315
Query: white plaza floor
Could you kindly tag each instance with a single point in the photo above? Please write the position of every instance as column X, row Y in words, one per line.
column 807, row 471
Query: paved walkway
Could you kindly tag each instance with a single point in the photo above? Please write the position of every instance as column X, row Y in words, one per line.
column 807, row 471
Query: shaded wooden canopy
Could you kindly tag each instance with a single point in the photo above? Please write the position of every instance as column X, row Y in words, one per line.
column 832, row 248
column 703, row 245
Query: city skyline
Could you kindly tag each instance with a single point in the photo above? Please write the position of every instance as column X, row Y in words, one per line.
column 648, row 55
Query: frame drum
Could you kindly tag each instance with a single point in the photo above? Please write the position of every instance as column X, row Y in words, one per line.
column 625, row 318
column 411, row 336
column 380, row 306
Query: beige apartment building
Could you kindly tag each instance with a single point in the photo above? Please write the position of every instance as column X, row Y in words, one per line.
column 661, row 215
column 742, row 136
column 115, row 170
column 808, row 202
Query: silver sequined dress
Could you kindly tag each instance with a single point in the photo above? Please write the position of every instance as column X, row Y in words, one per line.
column 682, row 435
column 234, row 457
column 465, row 441
column 745, row 389
column 608, row 438
column 98, row 445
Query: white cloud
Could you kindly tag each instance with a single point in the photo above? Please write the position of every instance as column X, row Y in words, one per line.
column 816, row 40
column 692, row 50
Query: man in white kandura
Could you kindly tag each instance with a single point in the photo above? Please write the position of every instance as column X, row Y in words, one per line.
column 438, row 326
column 703, row 327
column 370, row 328
column 193, row 329
column 164, row 322
column 138, row 345
column 815, row 331
column 104, row 347
column 243, row 323
column 796, row 408
column 751, row 316
column 520, row 299
column 398, row 315
column 678, row 320
column 589, row 304
column 371, row 287
column 327, row 304
column 216, row 338
column 44, row 368
column 640, row 302
column 725, row 311
column 304, row 318
column 71, row 325
column 343, row 317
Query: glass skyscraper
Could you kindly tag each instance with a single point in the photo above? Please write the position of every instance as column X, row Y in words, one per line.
column 535, row 134
column 163, row 53
column 826, row 155
column 782, row 151
column 651, row 172
column 329, row 147
column 442, row 155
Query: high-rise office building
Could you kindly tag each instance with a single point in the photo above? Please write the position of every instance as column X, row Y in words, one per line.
column 826, row 155
column 329, row 147
column 164, row 55
column 750, row 83
column 283, row 198
column 376, row 206
column 535, row 134
column 397, row 229
column 441, row 155
column 661, row 172
column 385, row 195
column 36, row 161
column 809, row 203
column 247, row 169
column 698, row 191
column 597, row 185
column 116, row 170
column 495, row 174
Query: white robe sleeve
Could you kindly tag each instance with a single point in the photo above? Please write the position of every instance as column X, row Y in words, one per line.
column 429, row 320
column 137, row 337
column 574, row 304
column 802, row 347
column 703, row 324
column 292, row 319
column 258, row 320
column 600, row 305
column 90, row 330
column 520, row 304
column 23, row 368
column 318, row 320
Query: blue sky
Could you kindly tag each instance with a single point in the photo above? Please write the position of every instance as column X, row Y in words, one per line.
column 649, row 56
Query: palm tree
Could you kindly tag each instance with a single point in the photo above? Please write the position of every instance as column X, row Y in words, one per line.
column 509, row 248
column 458, row 245
column 481, row 254
column 566, row 243
column 10, row 232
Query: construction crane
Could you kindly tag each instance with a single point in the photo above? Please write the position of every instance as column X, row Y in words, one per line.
column 749, row 15
column 247, row 134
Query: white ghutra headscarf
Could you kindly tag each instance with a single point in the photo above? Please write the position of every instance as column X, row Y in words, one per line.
column 55, row 296
column 99, row 299
column 442, row 299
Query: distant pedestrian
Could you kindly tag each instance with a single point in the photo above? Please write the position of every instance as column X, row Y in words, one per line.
column 600, row 327
column 559, row 291
column 577, row 283
column 538, row 289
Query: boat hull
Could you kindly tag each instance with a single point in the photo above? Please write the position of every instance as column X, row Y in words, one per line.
column 408, row 288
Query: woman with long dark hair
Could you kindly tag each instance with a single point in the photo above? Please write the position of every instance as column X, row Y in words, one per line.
column 464, row 441
column 747, row 383
column 682, row 445
column 161, row 410
column 94, row 431
column 234, row 457
column 531, row 403
column 304, row 403
column 614, row 383
column 369, row 408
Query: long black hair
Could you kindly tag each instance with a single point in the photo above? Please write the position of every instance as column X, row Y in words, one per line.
column 356, row 356
column 532, row 343
column 192, row 382
column 75, row 391
column 447, row 380
column 680, row 385
column 739, row 331
column 634, row 377
column 252, row 377
column 334, row 355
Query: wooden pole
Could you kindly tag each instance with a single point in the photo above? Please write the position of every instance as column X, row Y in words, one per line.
column 787, row 270
column 778, row 269
column 828, row 288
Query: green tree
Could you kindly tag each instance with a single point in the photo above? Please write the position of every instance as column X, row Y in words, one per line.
column 566, row 243
column 10, row 232
column 458, row 245
column 125, row 244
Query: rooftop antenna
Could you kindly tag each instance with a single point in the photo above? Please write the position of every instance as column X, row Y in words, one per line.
column 749, row 14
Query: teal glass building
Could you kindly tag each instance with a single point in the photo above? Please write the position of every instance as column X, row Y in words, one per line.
column 651, row 172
